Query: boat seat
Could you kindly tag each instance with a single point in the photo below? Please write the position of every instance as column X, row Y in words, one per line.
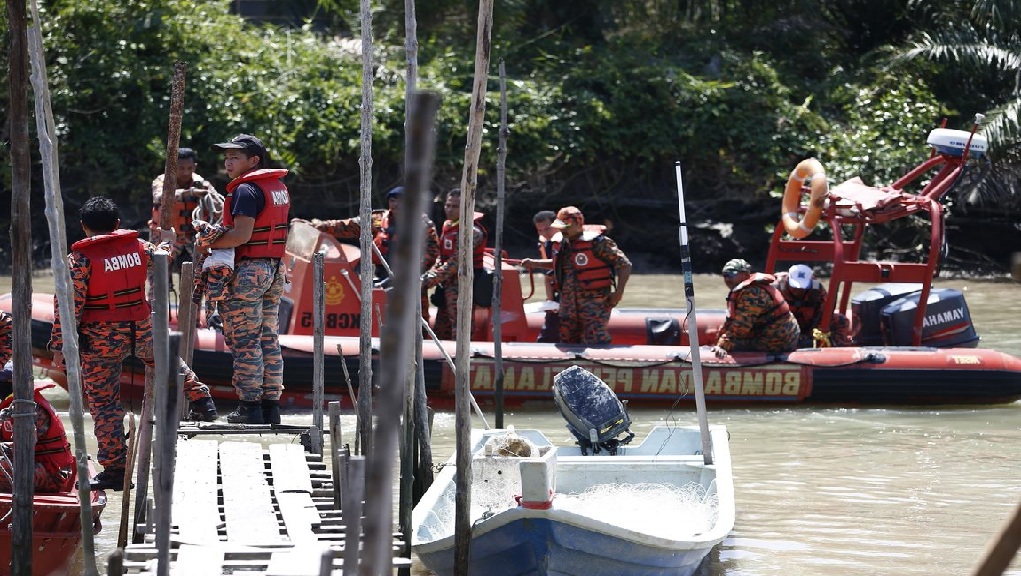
column 854, row 197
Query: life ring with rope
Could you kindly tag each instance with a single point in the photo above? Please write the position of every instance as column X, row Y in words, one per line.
column 810, row 172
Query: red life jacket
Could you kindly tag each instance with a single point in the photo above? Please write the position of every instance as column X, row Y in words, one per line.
column 269, row 235
column 116, row 291
column 448, row 240
column 183, row 207
column 593, row 272
column 777, row 311
column 51, row 447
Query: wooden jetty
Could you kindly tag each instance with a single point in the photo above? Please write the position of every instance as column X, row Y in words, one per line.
column 239, row 506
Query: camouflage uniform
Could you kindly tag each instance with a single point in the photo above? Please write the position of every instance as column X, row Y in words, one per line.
column 754, row 321
column 103, row 348
column 6, row 335
column 215, row 269
column 808, row 309
column 585, row 313
column 351, row 228
column 250, row 323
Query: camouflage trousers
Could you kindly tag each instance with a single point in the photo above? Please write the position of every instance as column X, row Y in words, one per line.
column 47, row 481
column 104, row 346
column 584, row 317
column 781, row 336
column 446, row 315
column 250, row 328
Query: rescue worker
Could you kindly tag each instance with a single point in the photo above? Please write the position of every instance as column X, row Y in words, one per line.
column 591, row 273
column 255, row 215
column 758, row 318
column 55, row 469
column 384, row 231
column 108, row 273
column 806, row 297
column 444, row 273
column 191, row 190
column 543, row 221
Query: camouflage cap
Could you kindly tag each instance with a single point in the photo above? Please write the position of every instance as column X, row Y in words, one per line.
column 736, row 265
column 569, row 216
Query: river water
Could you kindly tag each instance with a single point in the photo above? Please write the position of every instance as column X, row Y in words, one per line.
column 831, row 490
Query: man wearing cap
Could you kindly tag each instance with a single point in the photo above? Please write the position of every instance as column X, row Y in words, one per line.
column 443, row 274
column 806, row 297
column 384, row 231
column 255, row 213
column 191, row 189
column 758, row 317
column 591, row 272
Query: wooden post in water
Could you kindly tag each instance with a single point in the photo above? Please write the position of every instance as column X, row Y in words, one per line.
column 164, row 486
column 396, row 340
column 336, row 442
column 23, row 485
column 161, row 384
column 318, row 336
column 365, row 240
column 469, row 179
column 501, row 177
column 351, row 512
column 173, row 139
column 46, row 130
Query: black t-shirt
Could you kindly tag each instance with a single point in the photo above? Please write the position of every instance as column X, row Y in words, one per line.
column 247, row 200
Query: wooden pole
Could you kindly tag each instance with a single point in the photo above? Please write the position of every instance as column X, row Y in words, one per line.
column 365, row 240
column 168, row 447
column 21, row 248
column 122, row 533
column 351, row 512
column 162, row 388
column 1002, row 550
column 173, row 139
column 396, row 341
column 318, row 337
column 469, row 179
column 501, row 178
column 336, row 441
column 187, row 311
column 46, row 130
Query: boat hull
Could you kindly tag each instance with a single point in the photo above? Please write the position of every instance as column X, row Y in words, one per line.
column 573, row 540
column 56, row 531
column 640, row 374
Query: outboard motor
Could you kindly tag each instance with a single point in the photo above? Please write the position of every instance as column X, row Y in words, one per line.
column 593, row 412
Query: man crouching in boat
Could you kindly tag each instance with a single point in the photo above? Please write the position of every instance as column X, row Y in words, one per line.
column 758, row 318
column 54, row 463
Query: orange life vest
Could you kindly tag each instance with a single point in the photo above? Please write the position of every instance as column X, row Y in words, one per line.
column 777, row 311
column 593, row 272
column 448, row 240
column 269, row 235
column 385, row 235
column 119, row 265
column 184, row 207
column 51, row 447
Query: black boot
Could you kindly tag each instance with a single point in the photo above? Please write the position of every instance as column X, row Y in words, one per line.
column 270, row 411
column 203, row 410
column 108, row 479
column 246, row 413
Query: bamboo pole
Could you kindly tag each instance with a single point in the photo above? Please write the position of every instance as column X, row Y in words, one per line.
column 46, row 130
column 173, row 139
column 23, row 485
column 318, row 336
column 396, row 341
column 365, row 239
column 469, row 179
column 501, row 177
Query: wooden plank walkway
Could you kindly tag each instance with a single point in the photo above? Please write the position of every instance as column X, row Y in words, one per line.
column 239, row 507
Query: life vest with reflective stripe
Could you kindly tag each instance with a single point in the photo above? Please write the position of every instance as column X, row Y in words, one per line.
column 269, row 234
column 777, row 311
column 51, row 447
column 593, row 272
column 119, row 265
column 184, row 206
column 448, row 240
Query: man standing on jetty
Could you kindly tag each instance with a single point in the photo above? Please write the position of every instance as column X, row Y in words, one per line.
column 255, row 211
column 108, row 270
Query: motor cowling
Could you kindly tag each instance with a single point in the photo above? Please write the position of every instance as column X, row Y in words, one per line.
column 594, row 414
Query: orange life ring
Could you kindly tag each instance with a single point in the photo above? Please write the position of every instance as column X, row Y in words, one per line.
column 812, row 172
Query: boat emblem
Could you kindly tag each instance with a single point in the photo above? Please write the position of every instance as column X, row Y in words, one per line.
column 334, row 291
